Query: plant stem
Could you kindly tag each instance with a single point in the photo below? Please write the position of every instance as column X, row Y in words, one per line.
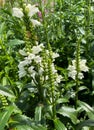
column 50, row 73
column 78, row 70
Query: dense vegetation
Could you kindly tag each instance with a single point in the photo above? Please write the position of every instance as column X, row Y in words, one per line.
column 47, row 65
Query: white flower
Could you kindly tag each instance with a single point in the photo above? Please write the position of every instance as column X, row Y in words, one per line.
column 72, row 74
column 32, row 9
column 53, row 68
column 55, row 55
column 58, row 78
column 37, row 59
column 27, row 60
column 36, row 49
column 17, row 12
column 31, row 56
column 35, row 22
column 80, row 75
column 22, row 72
column 83, row 66
column 74, row 63
column 72, row 69
column 22, row 64
column 31, row 69
column 22, row 52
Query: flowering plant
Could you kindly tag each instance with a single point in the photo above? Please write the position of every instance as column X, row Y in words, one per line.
column 29, row 9
column 33, row 65
column 35, row 91
column 82, row 68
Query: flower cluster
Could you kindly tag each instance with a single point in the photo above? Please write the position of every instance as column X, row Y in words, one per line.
column 30, row 10
column 82, row 68
column 33, row 65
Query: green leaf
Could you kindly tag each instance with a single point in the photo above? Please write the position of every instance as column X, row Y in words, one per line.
column 89, row 110
column 82, row 31
column 4, row 116
column 62, row 100
column 81, row 88
column 59, row 125
column 39, row 127
column 6, row 92
column 23, row 127
column 19, row 119
column 15, row 42
column 68, row 112
column 2, row 27
column 38, row 113
column 89, row 123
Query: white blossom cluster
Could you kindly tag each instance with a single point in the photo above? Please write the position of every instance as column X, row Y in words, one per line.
column 33, row 65
column 30, row 9
column 82, row 68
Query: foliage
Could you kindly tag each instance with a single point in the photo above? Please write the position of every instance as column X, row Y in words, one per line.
column 46, row 65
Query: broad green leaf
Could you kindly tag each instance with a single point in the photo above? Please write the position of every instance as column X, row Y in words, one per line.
column 82, row 31
column 23, row 127
column 62, row 100
column 85, row 107
column 82, row 88
column 85, row 128
column 59, row 125
column 2, row 27
column 4, row 116
column 15, row 42
column 68, row 112
column 38, row 113
column 21, row 120
column 39, row 127
column 89, row 123
column 6, row 92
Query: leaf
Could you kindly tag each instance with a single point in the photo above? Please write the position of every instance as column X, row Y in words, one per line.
column 19, row 119
column 59, row 125
column 88, row 123
column 23, row 127
column 82, row 31
column 81, row 88
column 2, row 27
column 38, row 113
column 6, row 92
column 89, row 110
column 4, row 116
column 39, row 127
column 62, row 100
column 68, row 112
column 15, row 42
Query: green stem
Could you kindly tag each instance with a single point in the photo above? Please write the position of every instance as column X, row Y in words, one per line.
column 78, row 70
column 52, row 86
column 50, row 73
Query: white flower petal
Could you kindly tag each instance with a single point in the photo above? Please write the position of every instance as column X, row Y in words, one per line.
column 55, row 55
column 32, row 9
column 36, row 49
column 80, row 76
column 35, row 22
column 37, row 59
column 22, row 52
column 17, row 12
